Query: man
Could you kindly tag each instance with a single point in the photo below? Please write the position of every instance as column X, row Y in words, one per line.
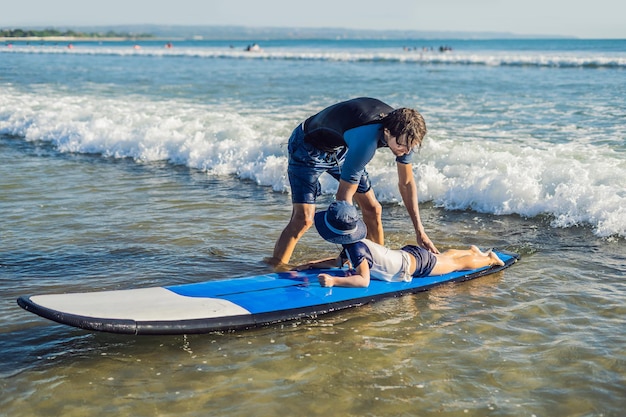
column 341, row 140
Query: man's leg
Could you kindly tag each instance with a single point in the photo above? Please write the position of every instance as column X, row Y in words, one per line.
column 301, row 220
column 372, row 216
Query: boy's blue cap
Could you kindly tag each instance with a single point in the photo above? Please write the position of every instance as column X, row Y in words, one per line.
column 340, row 223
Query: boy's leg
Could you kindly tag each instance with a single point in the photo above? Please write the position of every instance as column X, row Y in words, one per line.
column 456, row 253
column 452, row 262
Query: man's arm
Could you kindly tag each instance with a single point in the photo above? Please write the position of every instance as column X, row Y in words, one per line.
column 408, row 191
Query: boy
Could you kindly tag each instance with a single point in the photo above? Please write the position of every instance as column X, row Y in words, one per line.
column 341, row 224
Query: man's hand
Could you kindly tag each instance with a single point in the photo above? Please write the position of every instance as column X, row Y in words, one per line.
column 424, row 241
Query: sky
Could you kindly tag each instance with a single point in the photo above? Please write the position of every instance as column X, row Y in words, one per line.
column 583, row 19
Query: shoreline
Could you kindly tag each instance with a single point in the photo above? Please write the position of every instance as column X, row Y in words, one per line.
column 73, row 39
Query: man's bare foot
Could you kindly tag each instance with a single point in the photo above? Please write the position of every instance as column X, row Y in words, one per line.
column 277, row 264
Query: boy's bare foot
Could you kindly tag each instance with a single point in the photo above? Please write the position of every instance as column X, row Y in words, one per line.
column 475, row 249
column 495, row 260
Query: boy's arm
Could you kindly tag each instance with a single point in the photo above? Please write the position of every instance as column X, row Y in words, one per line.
column 360, row 279
column 321, row 263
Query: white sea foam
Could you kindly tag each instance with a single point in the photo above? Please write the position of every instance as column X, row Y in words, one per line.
column 574, row 182
column 487, row 58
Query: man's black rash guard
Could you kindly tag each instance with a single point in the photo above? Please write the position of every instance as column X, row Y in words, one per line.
column 325, row 129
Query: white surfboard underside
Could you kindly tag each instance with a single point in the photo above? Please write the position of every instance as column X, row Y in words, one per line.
column 143, row 304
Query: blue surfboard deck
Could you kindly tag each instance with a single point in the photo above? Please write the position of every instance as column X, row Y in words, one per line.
column 232, row 304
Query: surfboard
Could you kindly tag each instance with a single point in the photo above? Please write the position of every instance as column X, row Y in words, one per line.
column 231, row 304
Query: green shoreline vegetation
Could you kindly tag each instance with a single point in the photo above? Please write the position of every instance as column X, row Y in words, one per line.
column 18, row 34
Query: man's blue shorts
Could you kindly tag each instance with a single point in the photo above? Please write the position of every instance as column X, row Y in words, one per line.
column 307, row 163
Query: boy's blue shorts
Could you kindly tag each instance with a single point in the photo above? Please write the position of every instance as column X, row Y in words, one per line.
column 425, row 260
column 307, row 163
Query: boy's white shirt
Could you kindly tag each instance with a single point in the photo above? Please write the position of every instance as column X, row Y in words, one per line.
column 389, row 265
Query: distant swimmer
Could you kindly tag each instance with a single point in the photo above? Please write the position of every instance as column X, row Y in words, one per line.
column 253, row 48
column 169, row 45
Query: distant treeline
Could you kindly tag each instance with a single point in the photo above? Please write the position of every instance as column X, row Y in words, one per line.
column 46, row 33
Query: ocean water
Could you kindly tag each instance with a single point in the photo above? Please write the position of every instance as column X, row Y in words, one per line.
column 125, row 166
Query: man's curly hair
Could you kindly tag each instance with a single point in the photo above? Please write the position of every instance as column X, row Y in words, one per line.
column 409, row 121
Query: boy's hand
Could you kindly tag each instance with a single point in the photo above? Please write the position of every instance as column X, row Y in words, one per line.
column 326, row 280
